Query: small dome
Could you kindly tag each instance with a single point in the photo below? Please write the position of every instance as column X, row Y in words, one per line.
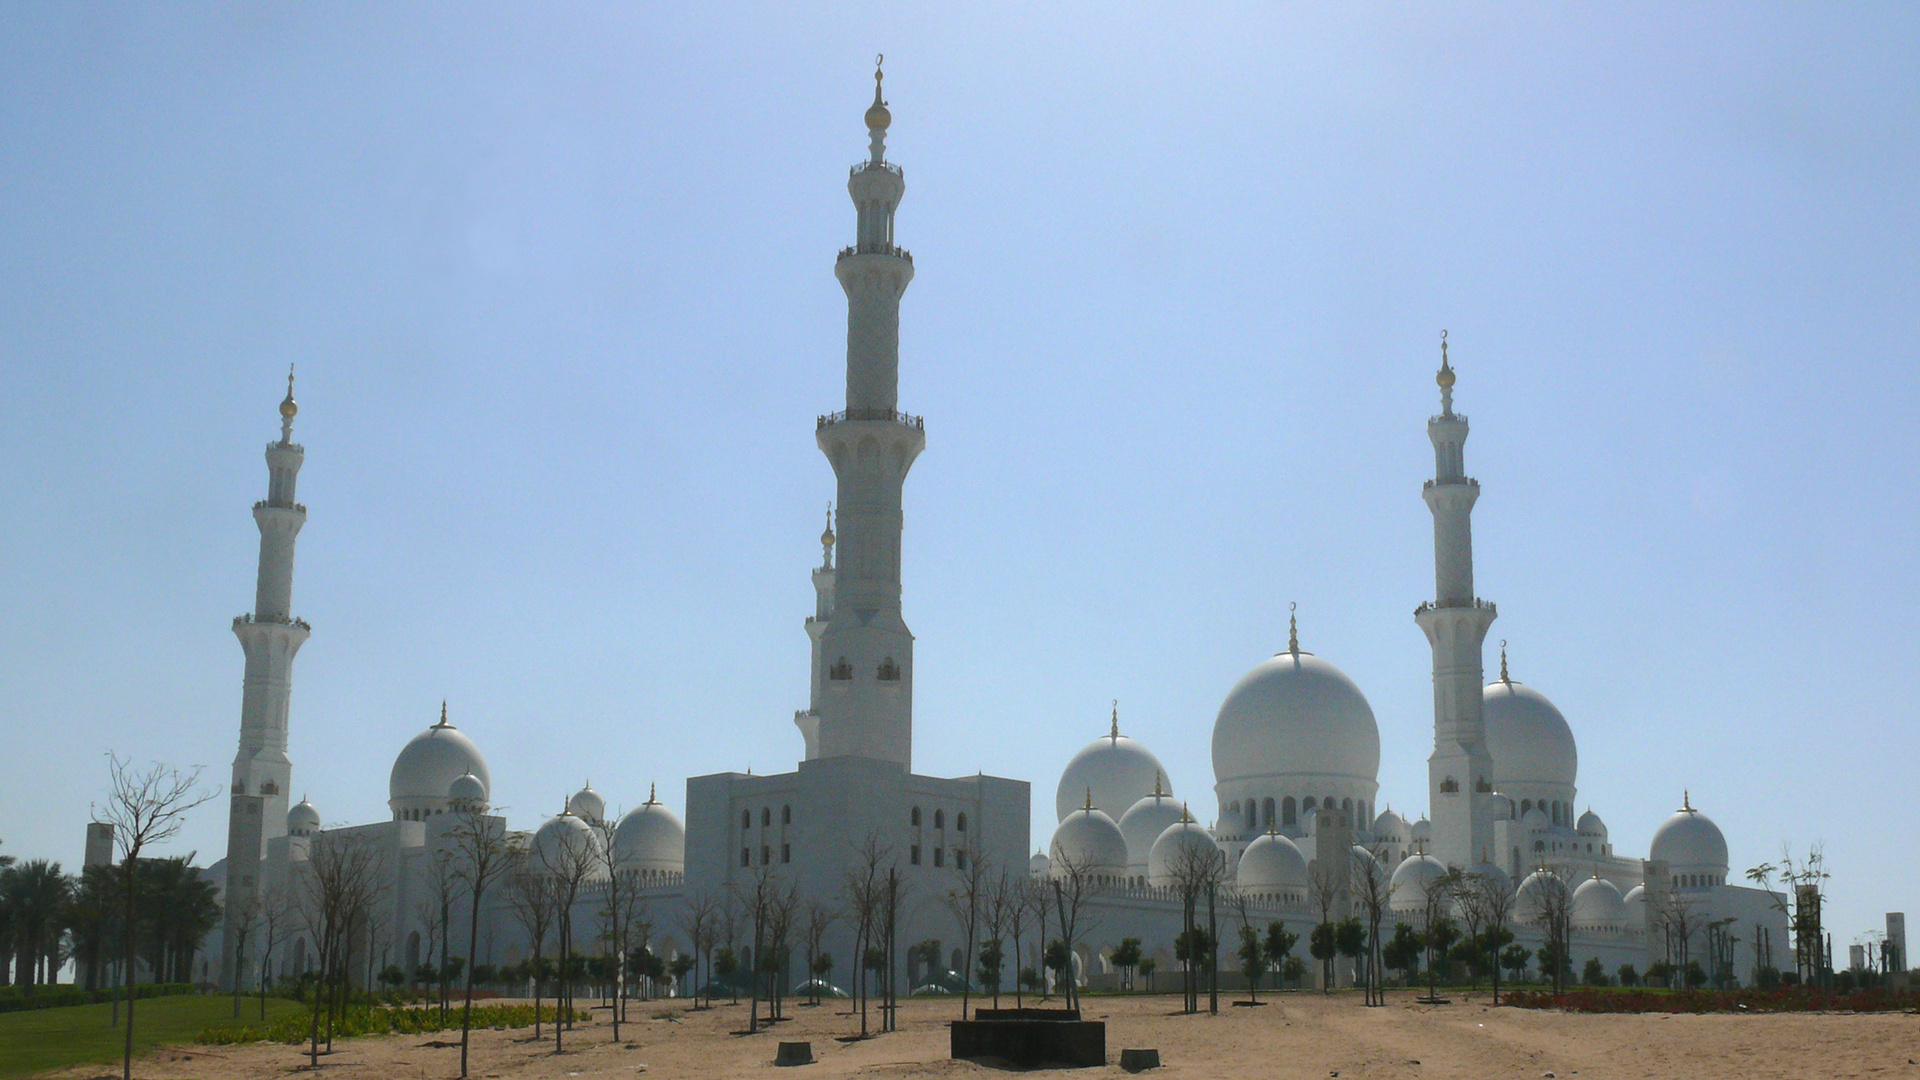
column 1089, row 842
column 651, row 839
column 1535, row 893
column 1295, row 716
column 1591, row 825
column 1142, row 824
column 303, row 819
column 1689, row 842
column 1271, row 864
column 1529, row 741
column 1391, row 826
column 1039, row 865
column 1407, row 890
column 1536, row 818
column 1636, row 902
column 1169, row 851
column 1423, row 831
column 429, row 764
column 588, row 805
column 561, row 842
column 467, row 793
column 1492, row 873
column 1366, row 863
column 1115, row 769
column 1597, row 905
column 1502, row 807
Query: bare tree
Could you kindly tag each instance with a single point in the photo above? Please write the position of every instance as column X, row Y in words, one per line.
column 1494, row 898
column 995, row 916
column 1372, row 888
column 342, row 882
column 1548, row 905
column 700, row 920
column 1805, row 880
column 443, row 887
column 1075, row 881
column 534, row 898
column 1017, row 894
column 570, row 860
column 145, row 807
column 1196, row 871
column 482, row 854
column 1323, row 888
column 769, row 900
column 276, row 925
column 966, row 899
column 865, row 889
column 246, row 919
column 819, row 917
column 620, row 895
column 1676, row 917
column 1469, row 896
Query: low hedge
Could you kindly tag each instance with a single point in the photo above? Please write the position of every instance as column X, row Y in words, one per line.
column 59, row 995
column 1780, row 999
column 385, row 1020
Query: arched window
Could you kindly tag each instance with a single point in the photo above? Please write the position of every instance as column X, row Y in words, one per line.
column 939, row 856
column 766, row 854
column 1306, row 804
column 1346, row 806
column 916, row 817
column 1287, row 816
column 1266, row 812
column 766, row 815
column 939, row 819
column 786, row 853
column 786, row 815
column 746, row 857
column 960, row 822
column 746, row 819
column 913, row 854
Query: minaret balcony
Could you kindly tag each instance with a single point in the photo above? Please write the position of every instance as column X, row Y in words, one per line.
column 269, row 504
column 1458, row 480
column 289, row 620
column 885, row 416
column 859, row 167
column 874, row 249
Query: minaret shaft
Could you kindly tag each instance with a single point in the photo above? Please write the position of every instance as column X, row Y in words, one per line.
column 270, row 636
column 1460, row 772
column 863, row 672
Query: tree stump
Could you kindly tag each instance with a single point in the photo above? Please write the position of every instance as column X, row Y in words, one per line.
column 794, row 1053
column 1135, row 1061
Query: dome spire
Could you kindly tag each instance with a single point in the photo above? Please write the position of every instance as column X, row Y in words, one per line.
column 826, row 540
column 1157, row 782
column 878, row 118
column 288, row 409
column 1293, row 629
column 651, row 789
column 1686, row 801
column 1089, row 806
column 443, row 715
column 1504, row 677
column 1445, row 379
column 1113, row 732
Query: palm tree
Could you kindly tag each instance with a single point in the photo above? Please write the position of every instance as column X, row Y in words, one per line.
column 36, row 897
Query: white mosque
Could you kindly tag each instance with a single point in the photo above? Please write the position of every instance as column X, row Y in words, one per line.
column 1296, row 751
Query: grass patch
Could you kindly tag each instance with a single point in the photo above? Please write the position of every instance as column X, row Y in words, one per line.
column 47, row 1039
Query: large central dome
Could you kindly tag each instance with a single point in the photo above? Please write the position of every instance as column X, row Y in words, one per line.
column 1295, row 716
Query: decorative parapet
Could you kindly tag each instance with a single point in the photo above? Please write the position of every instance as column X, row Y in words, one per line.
column 859, row 167
column 1484, row 605
column 240, row 620
column 889, row 416
column 265, row 504
column 874, row 249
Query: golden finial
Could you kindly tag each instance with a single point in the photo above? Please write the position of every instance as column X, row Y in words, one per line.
column 1293, row 629
column 1089, row 806
column 1504, row 677
column 288, row 407
column 1445, row 377
column 1113, row 732
column 651, row 788
column 1686, row 800
column 1156, row 784
column 1186, row 814
column 877, row 115
column 443, row 714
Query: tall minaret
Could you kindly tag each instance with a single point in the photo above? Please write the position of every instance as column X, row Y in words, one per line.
column 865, row 656
column 1460, row 773
column 270, row 636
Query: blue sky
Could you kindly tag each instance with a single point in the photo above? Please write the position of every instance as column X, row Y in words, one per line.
column 558, row 280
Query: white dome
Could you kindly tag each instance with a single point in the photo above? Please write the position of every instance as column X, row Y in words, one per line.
column 1090, row 843
column 467, row 792
column 1391, row 826
column 1167, row 854
column 1423, row 831
column 1295, row 716
column 1117, row 770
column 1366, row 863
column 429, row 764
column 1407, row 890
column 1497, row 876
column 1636, row 903
column 1039, row 865
column 588, row 805
column 1689, row 842
column 1591, row 825
column 562, row 840
column 1533, row 895
column 1271, row 864
column 651, row 839
column 1502, row 807
column 1529, row 741
column 1536, row 818
column 1142, row 824
column 302, row 819
column 1597, row 905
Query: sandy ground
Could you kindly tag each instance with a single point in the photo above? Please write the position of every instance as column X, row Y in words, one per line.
column 1297, row 1035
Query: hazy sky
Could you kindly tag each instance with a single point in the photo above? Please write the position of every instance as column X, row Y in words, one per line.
column 558, row 280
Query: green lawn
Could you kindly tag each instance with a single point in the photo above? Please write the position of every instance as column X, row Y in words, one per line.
column 43, row 1039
